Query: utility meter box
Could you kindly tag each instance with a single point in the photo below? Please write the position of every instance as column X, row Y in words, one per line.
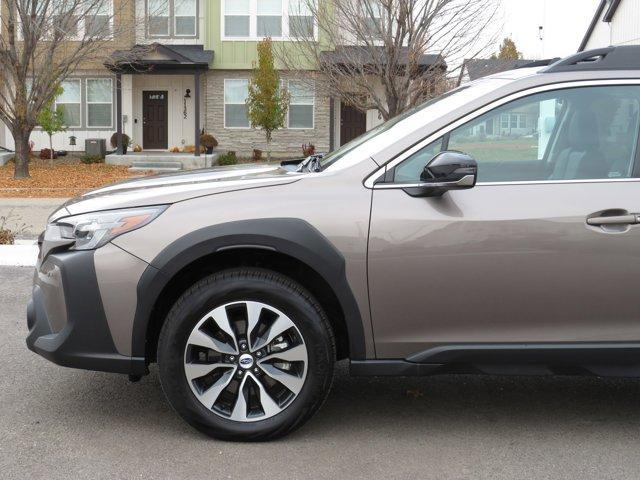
column 95, row 147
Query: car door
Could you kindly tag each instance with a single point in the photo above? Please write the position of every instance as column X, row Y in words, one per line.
column 544, row 249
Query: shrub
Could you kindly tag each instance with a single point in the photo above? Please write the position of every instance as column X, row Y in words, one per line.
column 309, row 149
column 257, row 155
column 45, row 154
column 228, row 158
column 88, row 159
column 7, row 235
column 208, row 140
column 126, row 141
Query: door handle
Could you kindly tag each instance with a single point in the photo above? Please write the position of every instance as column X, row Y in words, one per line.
column 604, row 220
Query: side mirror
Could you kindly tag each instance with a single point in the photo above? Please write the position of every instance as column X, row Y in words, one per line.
column 448, row 170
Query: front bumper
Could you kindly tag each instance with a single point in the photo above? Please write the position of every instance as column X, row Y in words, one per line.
column 66, row 318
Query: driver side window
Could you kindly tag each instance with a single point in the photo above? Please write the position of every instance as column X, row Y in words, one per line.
column 569, row 134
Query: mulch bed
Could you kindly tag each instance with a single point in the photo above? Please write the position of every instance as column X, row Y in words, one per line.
column 67, row 178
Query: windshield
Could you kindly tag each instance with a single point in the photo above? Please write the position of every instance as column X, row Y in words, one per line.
column 426, row 112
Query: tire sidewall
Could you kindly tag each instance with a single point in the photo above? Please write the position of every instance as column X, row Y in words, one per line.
column 235, row 287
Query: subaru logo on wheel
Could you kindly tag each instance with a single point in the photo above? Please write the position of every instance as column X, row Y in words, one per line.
column 246, row 361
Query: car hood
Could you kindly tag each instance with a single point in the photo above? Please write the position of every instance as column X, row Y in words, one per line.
column 171, row 188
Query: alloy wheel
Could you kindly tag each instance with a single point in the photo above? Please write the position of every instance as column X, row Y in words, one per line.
column 245, row 361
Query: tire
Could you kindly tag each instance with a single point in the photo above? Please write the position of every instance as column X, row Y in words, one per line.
column 248, row 403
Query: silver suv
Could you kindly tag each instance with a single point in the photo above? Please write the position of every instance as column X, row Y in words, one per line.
column 491, row 230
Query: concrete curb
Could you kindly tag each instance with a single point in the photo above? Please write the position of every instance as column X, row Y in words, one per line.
column 18, row 255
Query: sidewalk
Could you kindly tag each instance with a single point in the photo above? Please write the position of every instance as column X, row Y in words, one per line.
column 31, row 212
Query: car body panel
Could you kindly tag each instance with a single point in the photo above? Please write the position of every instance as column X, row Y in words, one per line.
column 345, row 228
column 176, row 187
column 503, row 263
column 118, row 274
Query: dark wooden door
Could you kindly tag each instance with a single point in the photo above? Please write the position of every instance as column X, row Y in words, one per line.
column 353, row 123
column 155, row 124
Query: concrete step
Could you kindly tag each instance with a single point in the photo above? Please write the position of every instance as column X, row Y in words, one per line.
column 157, row 169
column 155, row 165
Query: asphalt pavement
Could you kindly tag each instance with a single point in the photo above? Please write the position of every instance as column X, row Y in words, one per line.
column 59, row 423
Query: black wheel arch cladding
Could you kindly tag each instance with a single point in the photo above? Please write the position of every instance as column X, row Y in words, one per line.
column 293, row 237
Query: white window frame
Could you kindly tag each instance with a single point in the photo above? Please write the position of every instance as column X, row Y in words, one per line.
column 79, row 81
column 287, row 22
column 171, row 21
column 282, row 3
column 109, row 13
column 176, row 16
column 87, row 103
column 224, row 104
column 373, row 18
column 147, row 23
column 253, row 24
column 312, row 104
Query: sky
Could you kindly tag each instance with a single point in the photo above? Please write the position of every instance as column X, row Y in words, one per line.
column 565, row 23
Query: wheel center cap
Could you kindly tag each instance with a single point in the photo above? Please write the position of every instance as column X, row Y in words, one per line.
column 245, row 361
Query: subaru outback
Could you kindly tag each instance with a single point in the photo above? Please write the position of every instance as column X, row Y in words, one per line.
column 490, row 230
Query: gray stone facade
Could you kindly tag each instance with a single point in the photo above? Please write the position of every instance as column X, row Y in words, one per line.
column 286, row 142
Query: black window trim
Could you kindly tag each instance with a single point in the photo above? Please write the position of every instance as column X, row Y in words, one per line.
column 379, row 178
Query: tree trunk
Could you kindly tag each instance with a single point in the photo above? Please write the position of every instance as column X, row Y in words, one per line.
column 51, row 151
column 21, row 140
column 268, row 147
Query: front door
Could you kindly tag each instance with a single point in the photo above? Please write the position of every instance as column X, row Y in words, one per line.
column 155, row 124
column 525, row 257
column 353, row 123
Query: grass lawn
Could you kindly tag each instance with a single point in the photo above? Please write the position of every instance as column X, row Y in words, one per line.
column 67, row 178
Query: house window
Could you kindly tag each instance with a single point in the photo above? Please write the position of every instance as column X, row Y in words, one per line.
column 158, row 18
column 372, row 13
column 522, row 122
column 98, row 20
column 235, row 107
column 99, row 102
column 301, row 104
column 176, row 18
column 236, row 18
column 70, row 100
column 269, row 20
column 185, row 18
column 300, row 19
column 253, row 20
column 63, row 20
column 504, row 121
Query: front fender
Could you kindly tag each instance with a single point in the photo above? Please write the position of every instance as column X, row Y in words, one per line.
column 293, row 237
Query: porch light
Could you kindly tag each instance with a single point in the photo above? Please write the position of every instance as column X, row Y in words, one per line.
column 188, row 94
column 72, row 140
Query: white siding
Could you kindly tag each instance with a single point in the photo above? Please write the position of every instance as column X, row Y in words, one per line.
column 624, row 28
column 374, row 118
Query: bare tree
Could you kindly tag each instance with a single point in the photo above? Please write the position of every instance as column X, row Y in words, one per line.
column 375, row 53
column 44, row 41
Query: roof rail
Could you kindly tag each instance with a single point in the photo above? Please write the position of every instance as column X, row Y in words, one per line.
column 626, row 57
column 539, row 63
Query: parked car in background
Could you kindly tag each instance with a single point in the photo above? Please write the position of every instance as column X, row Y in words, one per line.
column 439, row 242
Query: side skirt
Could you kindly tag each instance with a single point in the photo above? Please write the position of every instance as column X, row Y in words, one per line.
column 599, row 359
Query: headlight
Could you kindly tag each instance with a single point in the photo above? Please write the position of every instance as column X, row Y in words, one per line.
column 89, row 231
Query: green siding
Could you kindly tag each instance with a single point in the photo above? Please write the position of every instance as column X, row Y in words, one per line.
column 230, row 55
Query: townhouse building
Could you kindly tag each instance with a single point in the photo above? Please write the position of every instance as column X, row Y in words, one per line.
column 192, row 67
